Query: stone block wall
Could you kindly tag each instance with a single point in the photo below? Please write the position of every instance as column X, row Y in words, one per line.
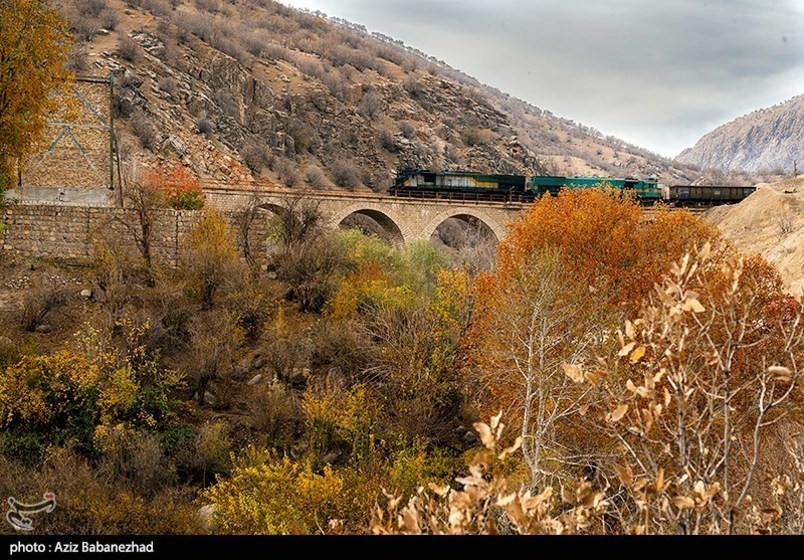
column 75, row 151
column 70, row 232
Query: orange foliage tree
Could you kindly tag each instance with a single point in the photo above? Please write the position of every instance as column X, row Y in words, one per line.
column 702, row 397
column 181, row 189
column 671, row 413
column 606, row 241
column 156, row 188
column 567, row 272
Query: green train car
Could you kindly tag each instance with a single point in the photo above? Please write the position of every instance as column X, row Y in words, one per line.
column 646, row 190
column 458, row 181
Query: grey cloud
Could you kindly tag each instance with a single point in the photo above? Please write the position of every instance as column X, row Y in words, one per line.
column 659, row 74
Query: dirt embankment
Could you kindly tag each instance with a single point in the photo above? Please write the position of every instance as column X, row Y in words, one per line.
column 770, row 222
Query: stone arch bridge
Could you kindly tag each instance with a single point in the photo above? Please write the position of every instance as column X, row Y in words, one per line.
column 402, row 219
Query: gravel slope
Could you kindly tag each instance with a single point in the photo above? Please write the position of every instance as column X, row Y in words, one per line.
column 770, row 222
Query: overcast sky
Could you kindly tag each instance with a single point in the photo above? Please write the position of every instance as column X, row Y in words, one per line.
column 657, row 73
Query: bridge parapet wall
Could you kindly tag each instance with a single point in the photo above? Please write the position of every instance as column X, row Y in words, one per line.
column 403, row 219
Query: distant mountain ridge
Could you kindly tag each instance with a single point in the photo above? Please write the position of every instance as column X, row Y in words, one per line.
column 768, row 139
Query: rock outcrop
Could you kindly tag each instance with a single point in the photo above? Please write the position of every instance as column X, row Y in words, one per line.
column 766, row 140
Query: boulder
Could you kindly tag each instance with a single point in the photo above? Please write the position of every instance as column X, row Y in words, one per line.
column 297, row 377
column 332, row 457
column 177, row 145
column 206, row 516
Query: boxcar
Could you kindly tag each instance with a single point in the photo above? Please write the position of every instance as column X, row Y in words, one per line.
column 706, row 194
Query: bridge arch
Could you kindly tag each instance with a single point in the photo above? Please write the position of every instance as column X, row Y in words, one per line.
column 466, row 215
column 396, row 229
column 272, row 207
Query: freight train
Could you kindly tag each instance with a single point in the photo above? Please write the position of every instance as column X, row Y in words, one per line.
column 467, row 185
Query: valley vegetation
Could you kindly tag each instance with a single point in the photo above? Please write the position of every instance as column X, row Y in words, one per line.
column 610, row 375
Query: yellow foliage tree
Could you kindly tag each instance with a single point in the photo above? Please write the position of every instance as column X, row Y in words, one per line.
column 70, row 394
column 213, row 258
column 42, row 389
column 272, row 496
column 34, row 44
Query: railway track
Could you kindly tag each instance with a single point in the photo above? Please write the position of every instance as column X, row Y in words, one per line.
column 410, row 194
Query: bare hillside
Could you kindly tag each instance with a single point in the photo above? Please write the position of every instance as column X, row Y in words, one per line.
column 255, row 90
column 767, row 139
column 770, row 222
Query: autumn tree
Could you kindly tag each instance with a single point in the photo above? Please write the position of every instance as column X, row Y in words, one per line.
column 406, row 311
column 210, row 351
column 148, row 190
column 244, row 221
column 413, row 366
column 566, row 273
column 307, row 259
column 541, row 320
column 296, row 222
column 75, row 394
column 143, row 198
column 212, row 258
column 180, row 188
column 34, row 45
column 703, row 398
column 606, row 240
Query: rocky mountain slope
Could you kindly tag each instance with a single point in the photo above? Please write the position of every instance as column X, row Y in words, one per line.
column 244, row 91
column 766, row 139
column 770, row 222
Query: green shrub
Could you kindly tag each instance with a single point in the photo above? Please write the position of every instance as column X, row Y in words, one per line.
column 189, row 201
column 27, row 447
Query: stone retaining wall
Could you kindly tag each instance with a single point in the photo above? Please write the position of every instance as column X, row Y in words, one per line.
column 70, row 232
column 76, row 151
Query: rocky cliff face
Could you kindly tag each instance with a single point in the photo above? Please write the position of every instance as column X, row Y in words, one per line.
column 249, row 92
column 765, row 140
